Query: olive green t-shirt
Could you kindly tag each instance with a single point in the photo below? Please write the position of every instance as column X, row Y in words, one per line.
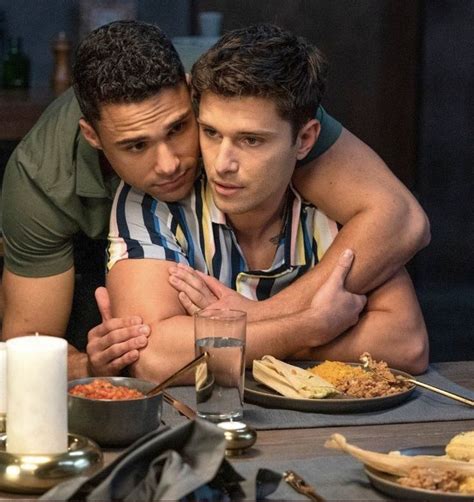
column 54, row 189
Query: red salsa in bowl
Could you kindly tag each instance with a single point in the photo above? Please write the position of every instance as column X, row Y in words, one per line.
column 103, row 389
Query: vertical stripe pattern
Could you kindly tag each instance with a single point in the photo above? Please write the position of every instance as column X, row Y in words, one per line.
column 194, row 232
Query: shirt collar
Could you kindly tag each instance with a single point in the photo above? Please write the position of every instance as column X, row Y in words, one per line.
column 217, row 216
column 90, row 179
column 295, row 232
column 294, row 235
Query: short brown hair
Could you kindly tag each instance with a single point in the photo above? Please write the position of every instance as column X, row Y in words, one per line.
column 265, row 61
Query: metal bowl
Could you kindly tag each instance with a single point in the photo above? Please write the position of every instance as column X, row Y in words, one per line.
column 114, row 422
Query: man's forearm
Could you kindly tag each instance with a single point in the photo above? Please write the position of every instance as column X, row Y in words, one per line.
column 391, row 329
column 77, row 364
column 171, row 344
column 43, row 305
column 383, row 240
column 372, row 265
column 384, row 337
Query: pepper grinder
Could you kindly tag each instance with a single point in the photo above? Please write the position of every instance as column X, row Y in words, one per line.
column 61, row 78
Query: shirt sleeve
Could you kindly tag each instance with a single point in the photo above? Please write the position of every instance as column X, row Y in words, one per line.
column 36, row 233
column 141, row 227
column 330, row 130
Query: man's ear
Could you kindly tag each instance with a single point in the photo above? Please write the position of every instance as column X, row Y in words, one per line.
column 89, row 134
column 307, row 137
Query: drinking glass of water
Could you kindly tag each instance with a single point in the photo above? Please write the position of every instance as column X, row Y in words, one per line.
column 220, row 378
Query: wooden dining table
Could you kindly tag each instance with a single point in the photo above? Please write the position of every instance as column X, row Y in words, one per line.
column 296, row 445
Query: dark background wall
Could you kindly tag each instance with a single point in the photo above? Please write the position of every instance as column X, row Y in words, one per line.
column 401, row 79
column 445, row 174
column 39, row 21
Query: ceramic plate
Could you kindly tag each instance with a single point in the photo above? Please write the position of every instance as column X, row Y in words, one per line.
column 387, row 483
column 262, row 395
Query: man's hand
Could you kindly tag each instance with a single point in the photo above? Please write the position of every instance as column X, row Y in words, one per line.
column 115, row 343
column 338, row 308
column 197, row 291
column 193, row 291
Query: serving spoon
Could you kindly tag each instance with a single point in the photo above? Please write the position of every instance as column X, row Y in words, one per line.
column 451, row 395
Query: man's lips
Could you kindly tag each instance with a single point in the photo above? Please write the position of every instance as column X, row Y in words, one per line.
column 171, row 183
column 226, row 188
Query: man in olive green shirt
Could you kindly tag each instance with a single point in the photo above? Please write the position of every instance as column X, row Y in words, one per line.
column 60, row 181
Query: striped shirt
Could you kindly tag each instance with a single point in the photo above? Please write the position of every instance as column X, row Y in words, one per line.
column 195, row 232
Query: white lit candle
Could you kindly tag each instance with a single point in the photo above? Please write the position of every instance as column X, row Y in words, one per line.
column 36, row 395
column 3, row 378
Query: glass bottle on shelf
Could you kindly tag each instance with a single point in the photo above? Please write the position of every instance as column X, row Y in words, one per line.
column 16, row 66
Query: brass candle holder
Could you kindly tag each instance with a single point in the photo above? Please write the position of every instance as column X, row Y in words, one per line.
column 23, row 473
column 238, row 436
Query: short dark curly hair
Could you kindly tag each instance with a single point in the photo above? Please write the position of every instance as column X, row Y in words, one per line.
column 123, row 62
column 264, row 60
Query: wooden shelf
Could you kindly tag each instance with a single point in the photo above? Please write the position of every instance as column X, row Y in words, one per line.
column 20, row 109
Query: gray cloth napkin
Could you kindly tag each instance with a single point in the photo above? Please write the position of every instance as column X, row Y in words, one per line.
column 167, row 464
column 422, row 406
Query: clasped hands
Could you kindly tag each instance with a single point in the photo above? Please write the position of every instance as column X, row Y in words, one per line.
column 116, row 343
column 198, row 291
column 331, row 305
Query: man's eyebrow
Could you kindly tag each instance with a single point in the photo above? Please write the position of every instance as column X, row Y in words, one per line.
column 184, row 116
column 255, row 132
column 128, row 141
column 138, row 139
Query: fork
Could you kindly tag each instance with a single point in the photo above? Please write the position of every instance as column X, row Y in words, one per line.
column 301, row 486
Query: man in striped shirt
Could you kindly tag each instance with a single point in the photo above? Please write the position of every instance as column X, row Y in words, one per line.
column 243, row 224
